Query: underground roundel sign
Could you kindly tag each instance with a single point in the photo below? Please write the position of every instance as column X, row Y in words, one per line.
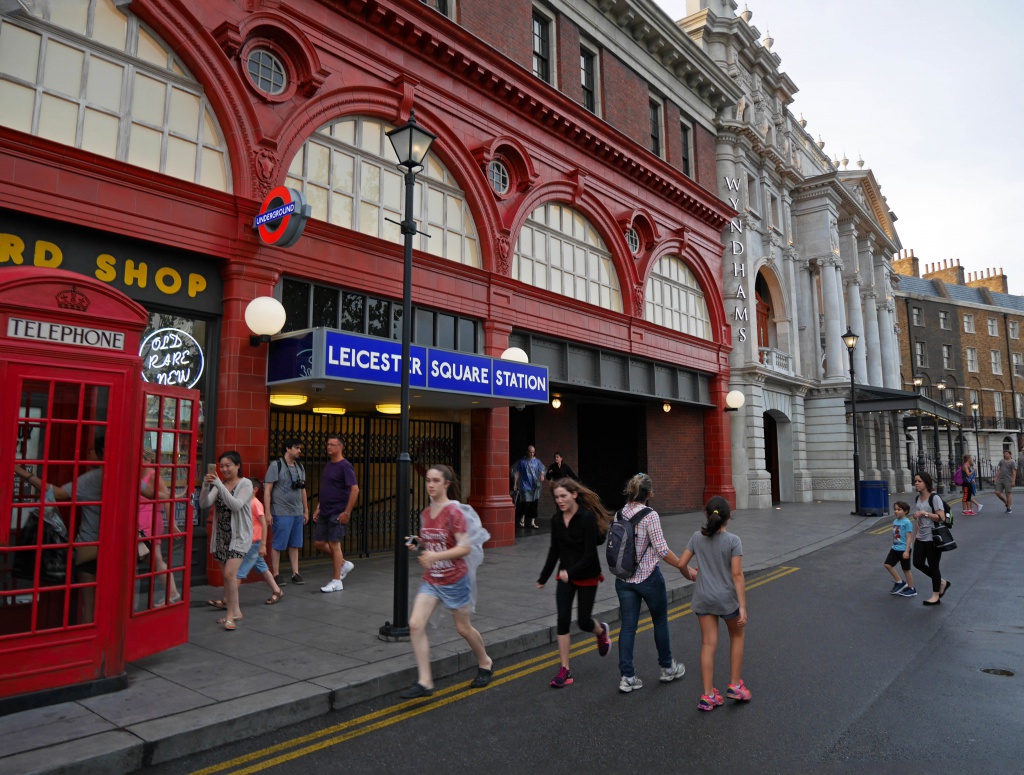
column 282, row 217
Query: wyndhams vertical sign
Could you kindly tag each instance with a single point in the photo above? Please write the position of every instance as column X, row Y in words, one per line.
column 740, row 312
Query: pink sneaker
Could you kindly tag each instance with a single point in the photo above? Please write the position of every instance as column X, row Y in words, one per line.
column 738, row 692
column 603, row 641
column 562, row 679
column 710, row 702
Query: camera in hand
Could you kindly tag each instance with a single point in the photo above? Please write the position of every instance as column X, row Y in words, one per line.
column 298, row 484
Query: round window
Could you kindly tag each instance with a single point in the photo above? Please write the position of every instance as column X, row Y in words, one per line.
column 633, row 240
column 266, row 71
column 498, row 175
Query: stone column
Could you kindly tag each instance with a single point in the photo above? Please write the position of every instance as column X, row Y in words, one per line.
column 807, row 310
column 834, row 360
column 855, row 320
column 872, row 345
column 490, row 463
column 890, row 353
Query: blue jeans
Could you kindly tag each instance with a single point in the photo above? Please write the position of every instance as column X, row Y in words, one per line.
column 651, row 591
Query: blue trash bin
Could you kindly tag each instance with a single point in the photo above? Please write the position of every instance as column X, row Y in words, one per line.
column 874, row 497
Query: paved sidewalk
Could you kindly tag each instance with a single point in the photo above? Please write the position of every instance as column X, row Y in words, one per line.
column 315, row 652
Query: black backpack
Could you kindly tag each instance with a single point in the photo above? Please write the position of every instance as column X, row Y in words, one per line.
column 621, row 550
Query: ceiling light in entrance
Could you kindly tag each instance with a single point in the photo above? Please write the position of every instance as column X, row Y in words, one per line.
column 556, row 403
column 287, row 399
column 328, row 410
column 389, row 408
column 666, row 407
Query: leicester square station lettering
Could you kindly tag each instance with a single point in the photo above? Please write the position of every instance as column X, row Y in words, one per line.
column 740, row 314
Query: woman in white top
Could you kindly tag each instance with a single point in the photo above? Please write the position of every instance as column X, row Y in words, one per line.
column 232, row 534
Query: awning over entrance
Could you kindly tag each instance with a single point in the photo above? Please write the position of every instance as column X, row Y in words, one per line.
column 341, row 369
column 876, row 399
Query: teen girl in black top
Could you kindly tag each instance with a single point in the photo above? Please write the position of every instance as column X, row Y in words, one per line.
column 575, row 532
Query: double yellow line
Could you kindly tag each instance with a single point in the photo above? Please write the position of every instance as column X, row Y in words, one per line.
column 265, row 758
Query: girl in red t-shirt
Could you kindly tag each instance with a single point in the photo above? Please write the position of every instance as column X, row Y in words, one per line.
column 444, row 543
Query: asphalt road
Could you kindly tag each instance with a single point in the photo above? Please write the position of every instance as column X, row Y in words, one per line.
column 845, row 678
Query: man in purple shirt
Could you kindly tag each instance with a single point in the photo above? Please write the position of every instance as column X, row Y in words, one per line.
column 338, row 495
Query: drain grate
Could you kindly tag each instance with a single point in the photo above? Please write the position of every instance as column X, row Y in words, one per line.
column 997, row 671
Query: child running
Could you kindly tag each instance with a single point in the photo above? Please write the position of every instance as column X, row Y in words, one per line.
column 447, row 578
column 719, row 592
column 902, row 541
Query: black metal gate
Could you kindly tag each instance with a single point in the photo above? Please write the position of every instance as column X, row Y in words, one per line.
column 371, row 445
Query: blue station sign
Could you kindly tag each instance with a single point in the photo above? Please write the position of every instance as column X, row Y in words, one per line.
column 331, row 354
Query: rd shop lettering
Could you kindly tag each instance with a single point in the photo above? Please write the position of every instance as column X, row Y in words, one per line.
column 107, row 268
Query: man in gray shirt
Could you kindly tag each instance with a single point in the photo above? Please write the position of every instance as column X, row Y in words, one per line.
column 287, row 508
column 1006, row 477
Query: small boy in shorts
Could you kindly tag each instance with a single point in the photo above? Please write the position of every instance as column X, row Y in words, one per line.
column 902, row 540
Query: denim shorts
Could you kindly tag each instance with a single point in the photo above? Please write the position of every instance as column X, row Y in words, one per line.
column 287, row 532
column 733, row 615
column 252, row 559
column 452, row 596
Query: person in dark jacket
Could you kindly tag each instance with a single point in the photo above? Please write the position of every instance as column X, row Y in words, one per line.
column 576, row 530
column 559, row 470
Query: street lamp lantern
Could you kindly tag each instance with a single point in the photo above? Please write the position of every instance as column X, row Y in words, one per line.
column 941, row 384
column 918, row 381
column 850, row 340
column 411, row 143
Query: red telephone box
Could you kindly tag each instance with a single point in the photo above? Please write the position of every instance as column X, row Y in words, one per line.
column 96, row 471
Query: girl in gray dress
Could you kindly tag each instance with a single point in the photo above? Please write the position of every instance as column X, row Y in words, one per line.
column 719, row 593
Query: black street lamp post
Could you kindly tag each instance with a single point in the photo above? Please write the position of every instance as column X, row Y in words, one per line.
column 411, row 143
column 918, row 381
column 959, row 404
column 939, row 480
column 975, row 406
column 850, row 340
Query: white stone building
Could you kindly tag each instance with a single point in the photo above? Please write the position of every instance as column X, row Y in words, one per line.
column 808, row 256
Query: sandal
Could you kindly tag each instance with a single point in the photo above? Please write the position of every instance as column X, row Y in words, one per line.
column 218, row 604
column 229, row 624
column 227, row 619
column 274, row 598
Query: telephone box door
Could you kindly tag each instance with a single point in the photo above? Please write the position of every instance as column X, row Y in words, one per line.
column 162, row 534
column 62, row 429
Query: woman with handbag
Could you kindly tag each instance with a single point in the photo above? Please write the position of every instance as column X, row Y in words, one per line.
column 930, row 512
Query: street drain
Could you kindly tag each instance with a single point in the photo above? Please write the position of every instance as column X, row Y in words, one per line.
column 997, row 671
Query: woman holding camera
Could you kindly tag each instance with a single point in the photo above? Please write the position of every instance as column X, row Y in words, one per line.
column 443, row 544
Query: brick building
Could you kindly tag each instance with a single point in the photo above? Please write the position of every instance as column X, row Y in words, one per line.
column 568, row 207
column 963, row 330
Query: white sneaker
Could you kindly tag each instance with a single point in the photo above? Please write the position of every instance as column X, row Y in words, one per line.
column 346, row 568
column 980, row 507
column 677, row 670
column 333, row 586
column 627, row 685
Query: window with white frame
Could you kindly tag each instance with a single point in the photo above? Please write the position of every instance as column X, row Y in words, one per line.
column 944, row 319
column 915, row 313
column 993, row 327
column 87, row 75
column 588, row 78
column 1019, row 405
column 347, row 172
column 656, row 145
column 972, row 359
column 997, row 361
column 686, row 146
column 674, row 299
column 920, row 354
column 975, row 399
column 1014, row 329
column 1017, row 365
column 560, row 250
column 997, row 405
column 542, row 54
column 968, row 324
column 947, row 356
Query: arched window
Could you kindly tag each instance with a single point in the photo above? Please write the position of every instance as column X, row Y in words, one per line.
column 87, row 75
column 675, row 300
column 347, row 172
column 558, row 249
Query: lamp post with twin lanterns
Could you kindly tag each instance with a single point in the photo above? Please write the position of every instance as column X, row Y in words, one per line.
column 918, row 381
column 411, row 143
column 850, row 340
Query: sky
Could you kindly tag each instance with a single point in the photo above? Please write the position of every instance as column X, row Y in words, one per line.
column 929, row 93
